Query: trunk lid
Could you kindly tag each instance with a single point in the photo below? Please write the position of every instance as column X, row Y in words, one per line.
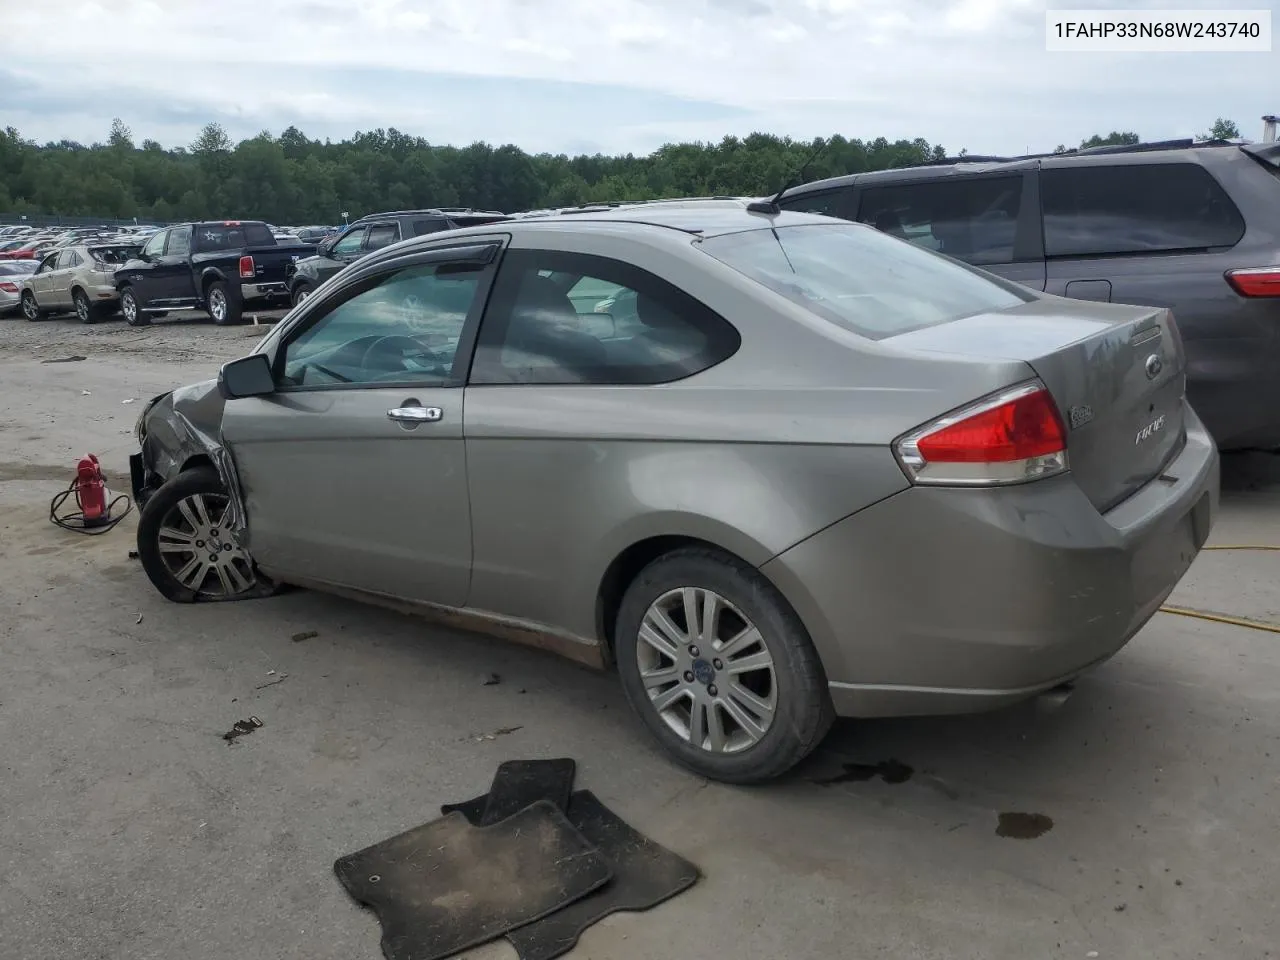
column 1117, row 374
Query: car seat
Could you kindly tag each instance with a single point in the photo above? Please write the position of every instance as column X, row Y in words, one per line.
column 543, row 341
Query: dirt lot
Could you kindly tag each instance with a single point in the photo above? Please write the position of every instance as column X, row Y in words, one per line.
column 133, row 830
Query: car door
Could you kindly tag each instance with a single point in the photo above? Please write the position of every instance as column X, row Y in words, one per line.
column 989, row 220
column 172, row 274
column 354, row 471
column 55, row 292
column 142, row 271
column 40, row 281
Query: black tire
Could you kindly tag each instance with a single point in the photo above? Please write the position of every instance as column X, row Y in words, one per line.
column 300, row 293
column 201, row 481
column 86, row 311
column 132, row 309
column 803, row 711
column 30, row 309
column 222, row 307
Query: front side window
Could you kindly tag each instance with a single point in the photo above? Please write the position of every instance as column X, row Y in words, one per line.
column 155, row 246
column 1134, row 209
column 399, row 327
column 974, row 219
column 349, row 244
column 829, row 203
column 179, row 242
column 569, row 318
column 47, row 263
column 860, row 279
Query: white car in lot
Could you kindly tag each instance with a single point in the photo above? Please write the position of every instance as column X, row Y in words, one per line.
column 12, row 275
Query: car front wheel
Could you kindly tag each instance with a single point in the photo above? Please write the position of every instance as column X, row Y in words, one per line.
column 719, row 667
column 185, row 545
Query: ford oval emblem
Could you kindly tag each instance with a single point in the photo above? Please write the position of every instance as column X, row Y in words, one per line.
column 1154, row 366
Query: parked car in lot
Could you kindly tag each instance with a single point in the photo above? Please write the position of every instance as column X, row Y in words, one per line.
column 1196, row 229
column 29, row 248
column 951, row 493
column 374, row 232
column 79, row 278
column 219, row 266
column 12, row 274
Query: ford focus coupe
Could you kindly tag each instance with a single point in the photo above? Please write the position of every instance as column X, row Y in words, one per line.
column 770, row 466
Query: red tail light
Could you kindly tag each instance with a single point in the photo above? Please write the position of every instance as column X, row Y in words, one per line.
column 246, row 267
column 8, row 287
column 1012, row 437
column 1255, row 281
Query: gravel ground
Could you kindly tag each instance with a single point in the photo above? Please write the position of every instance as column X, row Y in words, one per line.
column 133, row 830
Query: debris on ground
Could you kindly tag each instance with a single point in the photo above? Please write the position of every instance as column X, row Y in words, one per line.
column 305, row 635
column 241, row 728
column 492, row 680
column 1023, row 826
column 72, row 359
column 85, row 393
column 130, row 400
column 271, row 683
column 133, row 554
column 139, row 620
column 500, row 732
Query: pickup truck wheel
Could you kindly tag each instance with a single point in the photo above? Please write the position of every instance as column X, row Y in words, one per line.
column 131, row 309
column 300, row 293
column 221, row 308
column 30, row 309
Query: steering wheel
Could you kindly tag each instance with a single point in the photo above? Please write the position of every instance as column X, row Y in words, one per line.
column 392, row 347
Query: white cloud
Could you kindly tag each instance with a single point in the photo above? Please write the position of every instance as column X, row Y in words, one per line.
column 970, row 73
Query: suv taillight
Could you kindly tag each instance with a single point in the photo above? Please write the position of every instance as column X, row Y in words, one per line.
column 1012, row 437
column 246, row 268
column 8, row 286
column 1255, row 281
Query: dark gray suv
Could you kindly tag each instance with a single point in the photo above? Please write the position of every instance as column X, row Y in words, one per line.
column 1193, row 228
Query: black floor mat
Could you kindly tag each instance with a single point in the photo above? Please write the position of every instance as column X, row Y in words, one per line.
column 644, row 874
column 449, row 885
column 519, row 783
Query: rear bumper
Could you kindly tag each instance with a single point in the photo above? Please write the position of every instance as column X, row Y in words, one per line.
column 264, row 291
column 948, row 600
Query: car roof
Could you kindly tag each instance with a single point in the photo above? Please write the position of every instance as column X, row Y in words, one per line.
column 1165, row 151
column 429, row 212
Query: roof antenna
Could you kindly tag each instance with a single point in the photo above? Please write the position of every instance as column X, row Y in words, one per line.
column 770, row 206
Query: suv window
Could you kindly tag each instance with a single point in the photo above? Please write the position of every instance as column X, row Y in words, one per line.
column 974, row 219
column 422, row 227
column 561, row 318
column 233, row 235
column 382, row 235
column 179, row 244
column 860, row 280
column 350, row 243
column 66, row 259
column 1135, row 208
column 827, row 202
column 397, row 327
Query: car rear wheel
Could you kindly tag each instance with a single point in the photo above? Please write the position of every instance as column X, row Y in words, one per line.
column 131, row 309
column 86, row 312
column 720, row 668
column 185, row 546
column 30, row 309
column 220, row 306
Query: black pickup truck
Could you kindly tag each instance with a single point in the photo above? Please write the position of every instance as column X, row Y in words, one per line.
column 219, row 266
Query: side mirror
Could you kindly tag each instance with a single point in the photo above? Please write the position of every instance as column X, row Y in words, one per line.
column 247, row 377
column 324, row 246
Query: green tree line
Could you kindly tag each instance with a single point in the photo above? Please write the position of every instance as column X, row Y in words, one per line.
column 292, row 179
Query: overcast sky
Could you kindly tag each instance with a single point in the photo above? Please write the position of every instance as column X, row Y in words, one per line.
column 607, row 75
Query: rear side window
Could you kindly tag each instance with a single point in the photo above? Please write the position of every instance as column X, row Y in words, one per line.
column 422, row 227
column 860, row 279
column 974, row 220
column 233, row 236
column 829, row 203
column 382, row 235
column 571, row 318
column 1134, row 209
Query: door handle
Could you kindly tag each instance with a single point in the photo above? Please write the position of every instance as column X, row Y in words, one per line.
column 415, row 414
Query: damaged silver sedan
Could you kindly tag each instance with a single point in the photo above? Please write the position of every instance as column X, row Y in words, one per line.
column 775, row 467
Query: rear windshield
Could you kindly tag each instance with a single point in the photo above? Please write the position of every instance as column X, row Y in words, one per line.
column 873, row 284
column 233, row 236
column 119, row 253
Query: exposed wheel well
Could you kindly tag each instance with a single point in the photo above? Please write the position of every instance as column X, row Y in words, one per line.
column 626, row 567
column 193, row 463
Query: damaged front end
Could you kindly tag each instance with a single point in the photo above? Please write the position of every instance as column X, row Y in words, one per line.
column 180, row 431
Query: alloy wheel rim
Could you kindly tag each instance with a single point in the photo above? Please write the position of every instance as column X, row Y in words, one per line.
column 707, row 670
column 303, row 294
column 29, row 308
column 82, row 309
column 199, row 550
column 218, row 304
column 129, row 308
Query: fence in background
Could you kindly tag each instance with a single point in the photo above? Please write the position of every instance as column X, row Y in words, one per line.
column 52, row 220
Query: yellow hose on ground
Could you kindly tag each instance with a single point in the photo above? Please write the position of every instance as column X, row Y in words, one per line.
column 1222, row 617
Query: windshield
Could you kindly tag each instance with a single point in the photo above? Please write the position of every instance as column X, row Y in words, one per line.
column 861, row 279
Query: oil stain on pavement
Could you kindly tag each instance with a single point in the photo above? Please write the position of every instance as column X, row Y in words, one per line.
column 1023, row 826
